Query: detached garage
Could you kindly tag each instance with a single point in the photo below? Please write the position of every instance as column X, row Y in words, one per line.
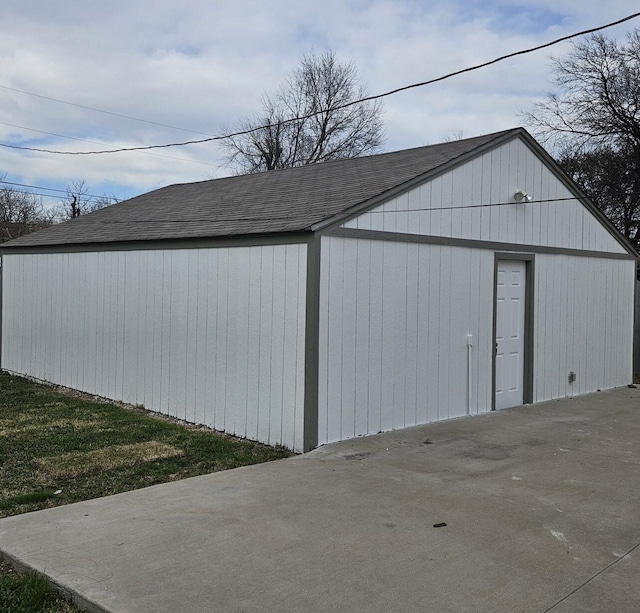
column 321, row 303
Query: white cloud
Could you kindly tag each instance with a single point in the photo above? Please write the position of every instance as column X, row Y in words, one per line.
column 201, row 65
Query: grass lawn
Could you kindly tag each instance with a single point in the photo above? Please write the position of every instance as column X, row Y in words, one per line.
column 58, row 447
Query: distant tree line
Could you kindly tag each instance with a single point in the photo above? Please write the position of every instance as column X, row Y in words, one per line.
column 22, row 211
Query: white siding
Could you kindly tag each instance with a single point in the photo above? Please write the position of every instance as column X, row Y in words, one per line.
column 212, row 336
column 393, row 326
column 583, row 323
column 445, row 206
column 394, row 318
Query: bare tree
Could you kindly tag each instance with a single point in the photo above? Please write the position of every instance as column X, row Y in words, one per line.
column 21, row 212
column 79, row 201
column 610, row 181
column 593, row 120
column 306, row 120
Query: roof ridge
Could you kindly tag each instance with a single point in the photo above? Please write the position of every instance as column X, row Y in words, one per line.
column 451, row 143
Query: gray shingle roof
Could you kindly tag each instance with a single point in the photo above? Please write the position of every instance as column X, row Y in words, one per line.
column 282, row 201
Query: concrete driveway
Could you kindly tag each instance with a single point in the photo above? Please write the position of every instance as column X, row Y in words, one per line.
column 541, row 506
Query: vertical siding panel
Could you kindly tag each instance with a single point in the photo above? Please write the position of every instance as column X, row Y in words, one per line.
column 444, row 323
column 459, row 321
column 239, row 317
column 323, row 341
column 290, row 364
column 363, row 300
column 389, row 308
column 411, row 335
column 435, row 217
column 266, row 334
column 561, row 330
column 67, row 292
column 35, row 299
column 334, row 366
column 82, row 261
column 582, row 305
column 415, row 201
column 433, row 314
column 253, row 347
column 46, row 319
column 166, row 345
column 91, row 324
column 110, row 330
column 609, row 300
column 159, row 284
column 558, row 333
column 232, row 377
column 474, row 313
column 70, row 329
column 99, row 320
column 178, row 298
column 11, row 266
column 461, row 186
column 277, row 371
column 119, row 279
column 150, row 327
column 199, row 367
column 349, row 297
column 374, row 390
column 130, row 340
column 496, row 194
column 571, row 389
column 213, row 338
column 402, row 217
column 193, row 339
column 422, row 333
column 485, row 340
column 399, row 327
column 300, row 347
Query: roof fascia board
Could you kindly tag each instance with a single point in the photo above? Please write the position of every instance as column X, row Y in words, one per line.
column 347, row 215
column 251, row 240
column 571, row 185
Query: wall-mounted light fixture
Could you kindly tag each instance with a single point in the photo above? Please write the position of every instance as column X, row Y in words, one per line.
column 522, row 196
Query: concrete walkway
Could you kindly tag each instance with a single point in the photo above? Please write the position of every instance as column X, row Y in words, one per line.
column 541, row 505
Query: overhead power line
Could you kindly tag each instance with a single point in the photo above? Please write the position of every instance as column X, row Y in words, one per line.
column 51, row 189
column 82, row 140
column 505, row 203
column 90, row 108
column 342, row 106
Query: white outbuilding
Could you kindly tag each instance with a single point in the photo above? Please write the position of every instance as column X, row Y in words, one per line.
column 321, row 303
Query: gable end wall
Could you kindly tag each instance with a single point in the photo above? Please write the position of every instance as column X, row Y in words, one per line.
column 475, row 201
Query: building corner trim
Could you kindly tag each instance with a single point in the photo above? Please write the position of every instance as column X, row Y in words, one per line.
column 312, row 317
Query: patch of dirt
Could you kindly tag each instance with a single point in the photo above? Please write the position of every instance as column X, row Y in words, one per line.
column 10, row 427
column 77, row 463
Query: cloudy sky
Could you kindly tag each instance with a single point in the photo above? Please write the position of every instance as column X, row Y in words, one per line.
column 197, row 66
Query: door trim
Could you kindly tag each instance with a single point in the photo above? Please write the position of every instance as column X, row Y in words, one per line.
column 527, row 384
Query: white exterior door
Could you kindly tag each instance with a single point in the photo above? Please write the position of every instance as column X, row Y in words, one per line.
column 510, row 311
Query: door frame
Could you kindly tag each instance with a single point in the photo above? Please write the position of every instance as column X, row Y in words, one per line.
column 527, row 380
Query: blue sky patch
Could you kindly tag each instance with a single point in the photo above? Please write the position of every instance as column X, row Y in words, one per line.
column 527, row 19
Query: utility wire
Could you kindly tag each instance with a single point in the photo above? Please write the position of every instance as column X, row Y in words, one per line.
column 522, row 203
column 90, row 108
column 49, row 189
column 291, row 217
column 342, row 106
column 82, row 140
